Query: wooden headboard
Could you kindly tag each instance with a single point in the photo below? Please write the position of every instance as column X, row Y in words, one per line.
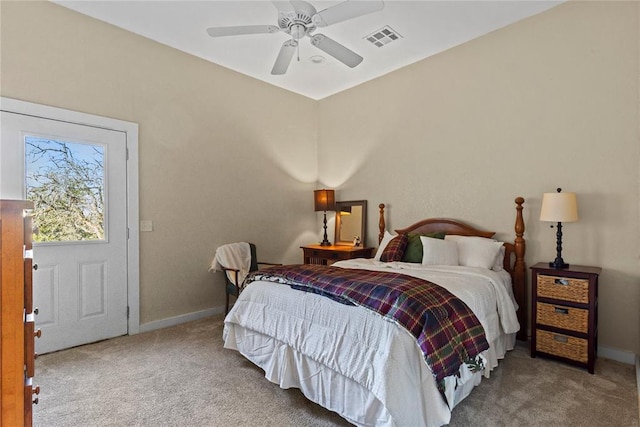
column 514, row 252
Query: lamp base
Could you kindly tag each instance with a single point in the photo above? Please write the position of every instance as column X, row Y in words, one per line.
column 556, row 264
column 325, row 239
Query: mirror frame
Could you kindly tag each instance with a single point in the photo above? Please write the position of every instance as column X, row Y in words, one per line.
column 363, row 228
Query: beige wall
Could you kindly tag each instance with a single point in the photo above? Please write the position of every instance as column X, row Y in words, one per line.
column 223, row 157
column 549, row 102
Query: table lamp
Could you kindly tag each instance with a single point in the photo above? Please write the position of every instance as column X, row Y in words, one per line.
column 559, row 207
column 324, row 200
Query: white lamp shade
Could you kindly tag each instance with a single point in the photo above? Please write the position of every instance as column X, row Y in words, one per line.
column 559, row 207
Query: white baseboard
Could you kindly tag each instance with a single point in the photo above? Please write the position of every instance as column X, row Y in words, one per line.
column 618, row 355
column 183, row 318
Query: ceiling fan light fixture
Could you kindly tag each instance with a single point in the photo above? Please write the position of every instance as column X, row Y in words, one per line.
column 298, row 31
column 317, row 59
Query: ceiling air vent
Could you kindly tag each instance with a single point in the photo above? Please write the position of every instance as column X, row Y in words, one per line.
column 383, row 36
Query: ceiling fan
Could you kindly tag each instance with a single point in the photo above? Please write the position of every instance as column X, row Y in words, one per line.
column 300, row 19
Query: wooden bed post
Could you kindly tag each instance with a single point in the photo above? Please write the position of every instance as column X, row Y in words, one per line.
column 381, row 225
column 519, row 272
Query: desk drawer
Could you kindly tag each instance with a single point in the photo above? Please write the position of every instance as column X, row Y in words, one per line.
column 334, row 255
column 560, row 316
column 563, row 288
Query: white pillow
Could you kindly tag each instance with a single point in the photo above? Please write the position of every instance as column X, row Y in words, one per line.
column 383, row 244
column 499, row 263
column 438, row 251
column 476, row 251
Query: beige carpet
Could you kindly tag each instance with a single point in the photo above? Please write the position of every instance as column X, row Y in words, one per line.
column 181, row 376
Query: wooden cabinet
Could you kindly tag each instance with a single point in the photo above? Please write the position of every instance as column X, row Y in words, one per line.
column 564, row 315
column 326, row 255
column 17, row 322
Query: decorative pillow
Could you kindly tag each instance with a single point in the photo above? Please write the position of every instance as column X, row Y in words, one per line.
column 476, row 251
column 413, row 253
column 383, row 244
column 438, row 251
column 395, row 249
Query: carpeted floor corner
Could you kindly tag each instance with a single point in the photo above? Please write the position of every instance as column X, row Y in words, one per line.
column 182, row 376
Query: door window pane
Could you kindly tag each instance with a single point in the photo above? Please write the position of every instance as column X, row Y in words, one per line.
column 65, row 180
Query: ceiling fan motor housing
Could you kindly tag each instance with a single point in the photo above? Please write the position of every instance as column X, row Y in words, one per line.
column 298, row 23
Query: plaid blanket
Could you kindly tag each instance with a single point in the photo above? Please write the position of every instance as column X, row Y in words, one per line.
column 447, row 331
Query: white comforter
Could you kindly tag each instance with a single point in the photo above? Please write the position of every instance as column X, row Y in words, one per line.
column 357, row 363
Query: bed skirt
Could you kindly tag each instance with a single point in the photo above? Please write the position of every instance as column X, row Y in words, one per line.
column 287, row 367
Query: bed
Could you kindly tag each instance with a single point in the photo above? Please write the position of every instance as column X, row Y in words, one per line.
column 369, row 368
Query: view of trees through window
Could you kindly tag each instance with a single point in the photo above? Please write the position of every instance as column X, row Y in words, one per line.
column 65, row 180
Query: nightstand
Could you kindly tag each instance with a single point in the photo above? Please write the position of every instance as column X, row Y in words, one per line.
column 564, row 313
column 327, row 255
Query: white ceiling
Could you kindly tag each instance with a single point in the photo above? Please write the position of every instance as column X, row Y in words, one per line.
column 425, row 27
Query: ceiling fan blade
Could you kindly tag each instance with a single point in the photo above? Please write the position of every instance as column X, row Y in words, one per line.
column 283, row 6
column 284, row 57
column 346, row 10
column 242, row 30
column 303, row 6
column 335, row 49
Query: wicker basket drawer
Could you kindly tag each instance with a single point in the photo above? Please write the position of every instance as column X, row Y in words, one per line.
column 562, row 345
column 573, row 319
column 564, row 288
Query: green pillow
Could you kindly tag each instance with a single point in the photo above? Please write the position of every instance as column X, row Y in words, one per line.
column 413, row 252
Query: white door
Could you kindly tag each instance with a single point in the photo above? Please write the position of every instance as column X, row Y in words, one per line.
column 77, row 177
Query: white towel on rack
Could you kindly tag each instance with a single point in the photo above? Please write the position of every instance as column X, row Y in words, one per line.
column 233, row 255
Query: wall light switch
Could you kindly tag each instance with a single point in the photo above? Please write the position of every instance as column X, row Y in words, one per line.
column 146, row 225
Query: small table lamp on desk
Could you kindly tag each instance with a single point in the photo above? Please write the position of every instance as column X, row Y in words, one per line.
column 327, row 255
column 324, row 200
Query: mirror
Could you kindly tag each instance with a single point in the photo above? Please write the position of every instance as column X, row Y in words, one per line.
column 351, row 222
